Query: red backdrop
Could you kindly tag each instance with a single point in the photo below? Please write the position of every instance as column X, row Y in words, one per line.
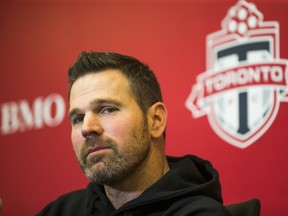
column 39, row 40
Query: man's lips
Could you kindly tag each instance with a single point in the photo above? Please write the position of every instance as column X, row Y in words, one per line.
column 95, row 149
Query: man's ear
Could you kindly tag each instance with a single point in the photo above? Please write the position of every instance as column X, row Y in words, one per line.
column 157, row 117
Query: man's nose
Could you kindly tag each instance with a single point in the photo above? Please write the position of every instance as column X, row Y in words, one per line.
column 91, row 125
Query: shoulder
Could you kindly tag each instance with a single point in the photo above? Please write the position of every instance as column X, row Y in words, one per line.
column 199, row 206
column 67, row 204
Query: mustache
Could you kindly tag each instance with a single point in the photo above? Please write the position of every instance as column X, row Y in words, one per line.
column 93, row 143
column 96, row 141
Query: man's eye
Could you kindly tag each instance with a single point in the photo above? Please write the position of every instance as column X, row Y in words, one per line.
column 107, row 110
column 78, row 119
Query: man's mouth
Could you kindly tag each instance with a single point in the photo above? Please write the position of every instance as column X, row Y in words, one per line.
column 96, row 149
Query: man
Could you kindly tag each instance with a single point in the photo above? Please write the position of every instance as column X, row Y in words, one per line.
column 118, row 123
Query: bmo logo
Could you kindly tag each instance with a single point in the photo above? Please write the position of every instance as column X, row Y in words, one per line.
column 20, row 116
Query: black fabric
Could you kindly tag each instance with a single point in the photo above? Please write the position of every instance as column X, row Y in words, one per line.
column 191, row 187
column 248, row 208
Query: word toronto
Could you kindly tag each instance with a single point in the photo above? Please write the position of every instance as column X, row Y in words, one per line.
column 22, row 116
column 265, row 74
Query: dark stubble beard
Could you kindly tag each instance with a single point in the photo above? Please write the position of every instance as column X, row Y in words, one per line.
column 115, row 165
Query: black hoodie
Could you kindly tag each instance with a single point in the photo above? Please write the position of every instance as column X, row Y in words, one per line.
column 190, row 188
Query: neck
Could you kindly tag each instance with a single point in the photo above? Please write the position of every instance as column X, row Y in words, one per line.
column 150, row 171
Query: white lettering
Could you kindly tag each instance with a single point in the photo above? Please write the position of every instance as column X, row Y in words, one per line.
column 20, row 117
column 219, row 82
column 242, row 76
column 254, row 74
column 261, row 75
column 60, row 110
column 265, row 71
column 276, row 74
column 38, row 108
column 208, row 84
column 25, row 116
column 10, row 123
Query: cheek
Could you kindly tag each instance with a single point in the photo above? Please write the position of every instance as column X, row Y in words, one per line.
column 123, row 130
column 76, row 139
column 117, row 131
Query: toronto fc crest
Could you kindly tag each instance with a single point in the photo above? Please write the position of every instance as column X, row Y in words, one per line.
column 245, row 80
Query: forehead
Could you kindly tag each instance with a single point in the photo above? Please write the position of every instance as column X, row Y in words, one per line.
column 108, row 83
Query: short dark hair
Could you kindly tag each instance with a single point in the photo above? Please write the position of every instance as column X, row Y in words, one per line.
column 143, row 82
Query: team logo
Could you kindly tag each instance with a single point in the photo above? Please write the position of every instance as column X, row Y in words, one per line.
column 245, row 80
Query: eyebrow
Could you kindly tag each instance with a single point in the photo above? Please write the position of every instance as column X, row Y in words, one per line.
column 95, row 103
column 72, row 113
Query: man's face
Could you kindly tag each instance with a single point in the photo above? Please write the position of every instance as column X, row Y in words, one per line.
column 109, row 134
